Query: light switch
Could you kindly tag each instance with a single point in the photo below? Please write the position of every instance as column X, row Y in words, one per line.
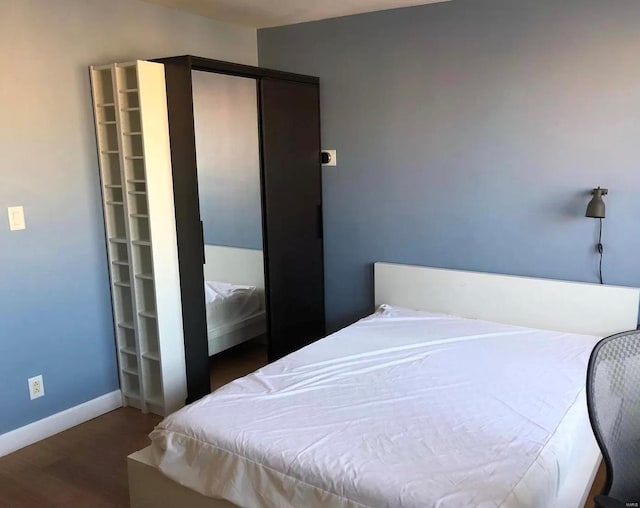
column 16, row 218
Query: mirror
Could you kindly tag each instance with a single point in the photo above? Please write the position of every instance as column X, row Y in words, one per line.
column 228, row 160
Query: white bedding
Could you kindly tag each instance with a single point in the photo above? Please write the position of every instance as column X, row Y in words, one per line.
column 402, row 408
column 229, row 304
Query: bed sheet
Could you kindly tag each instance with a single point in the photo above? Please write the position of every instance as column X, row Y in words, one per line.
column 229, row 303
column 403, row 408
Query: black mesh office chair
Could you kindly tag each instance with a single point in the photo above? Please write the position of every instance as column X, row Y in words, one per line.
column 613, row 399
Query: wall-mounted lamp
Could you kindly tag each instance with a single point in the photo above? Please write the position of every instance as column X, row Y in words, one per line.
column 596, row 209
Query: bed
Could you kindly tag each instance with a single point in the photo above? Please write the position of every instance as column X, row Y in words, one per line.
column 463, row 389
column 234, row 296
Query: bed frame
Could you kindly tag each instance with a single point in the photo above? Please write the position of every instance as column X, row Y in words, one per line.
column 538, row 303
column 547, row 304
column 236, row 266
column 232, row 334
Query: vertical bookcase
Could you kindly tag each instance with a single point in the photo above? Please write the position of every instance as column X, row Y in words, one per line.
column 132, row 132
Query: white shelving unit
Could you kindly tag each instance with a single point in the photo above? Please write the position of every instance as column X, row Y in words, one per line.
column 130, row 109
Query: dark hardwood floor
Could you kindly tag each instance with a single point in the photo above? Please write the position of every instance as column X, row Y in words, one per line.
column 236, row 362
column 597, row 486
column 82, row 467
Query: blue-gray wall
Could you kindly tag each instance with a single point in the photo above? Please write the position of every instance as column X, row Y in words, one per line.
column 228, row 158
column 55, row 309
column 468, row 134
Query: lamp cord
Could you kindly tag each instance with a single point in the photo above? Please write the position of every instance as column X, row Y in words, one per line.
column 600, row 249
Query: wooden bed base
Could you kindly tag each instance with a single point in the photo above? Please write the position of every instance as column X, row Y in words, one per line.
column 537, row 303
column 249, row 328
column 149, row 488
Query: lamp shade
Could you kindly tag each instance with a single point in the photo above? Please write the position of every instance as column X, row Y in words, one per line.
column 596, row 208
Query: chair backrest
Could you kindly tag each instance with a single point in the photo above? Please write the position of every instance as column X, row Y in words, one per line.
column 613, row 399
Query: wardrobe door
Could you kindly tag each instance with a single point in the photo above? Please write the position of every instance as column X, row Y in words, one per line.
column 292, row 213
column 188, row 225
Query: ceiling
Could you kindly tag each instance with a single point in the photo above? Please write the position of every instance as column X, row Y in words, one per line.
column 265, row 13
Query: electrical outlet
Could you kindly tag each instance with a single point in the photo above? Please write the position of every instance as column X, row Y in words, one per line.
column 331, row 157
column 36, row 387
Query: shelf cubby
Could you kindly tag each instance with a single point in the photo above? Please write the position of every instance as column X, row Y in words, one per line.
column 126, row 339
column 110, row 142
column 129, row 100
column 129, row 364
column 128, row 76
column 140, row 229
column 146, row 297
column 143, row 259
column 135, row 169
column 118, row 253
column 103, row 86
column 131, row 121
column 138, row 203
column 150, row 339
column 153, row 373
column 111, row 169
column 115, row 192
column 125, row 307
column 131, row 384
column 115, row 217
column 121, row 273
column 132, row 146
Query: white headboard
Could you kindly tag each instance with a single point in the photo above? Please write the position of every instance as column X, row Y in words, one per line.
column 231, row 264
column 574, row 307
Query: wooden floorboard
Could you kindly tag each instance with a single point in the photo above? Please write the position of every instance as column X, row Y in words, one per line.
column 82, row 467
column 597, row 486
column 236, row 362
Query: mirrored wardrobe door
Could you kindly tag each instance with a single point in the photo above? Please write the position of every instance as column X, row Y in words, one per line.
column 228, row 162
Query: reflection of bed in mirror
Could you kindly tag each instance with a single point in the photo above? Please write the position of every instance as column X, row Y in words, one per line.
column 234, row 291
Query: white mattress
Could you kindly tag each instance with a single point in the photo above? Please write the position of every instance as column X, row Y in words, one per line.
column 229, row 304
column 400, row 409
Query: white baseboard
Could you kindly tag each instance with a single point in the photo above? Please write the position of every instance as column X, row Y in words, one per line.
column 42, row 429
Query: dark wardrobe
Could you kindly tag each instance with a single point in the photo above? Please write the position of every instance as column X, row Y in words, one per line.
column 291, row 192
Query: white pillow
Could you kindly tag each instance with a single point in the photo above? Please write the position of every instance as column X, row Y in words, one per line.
column 215, row 291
